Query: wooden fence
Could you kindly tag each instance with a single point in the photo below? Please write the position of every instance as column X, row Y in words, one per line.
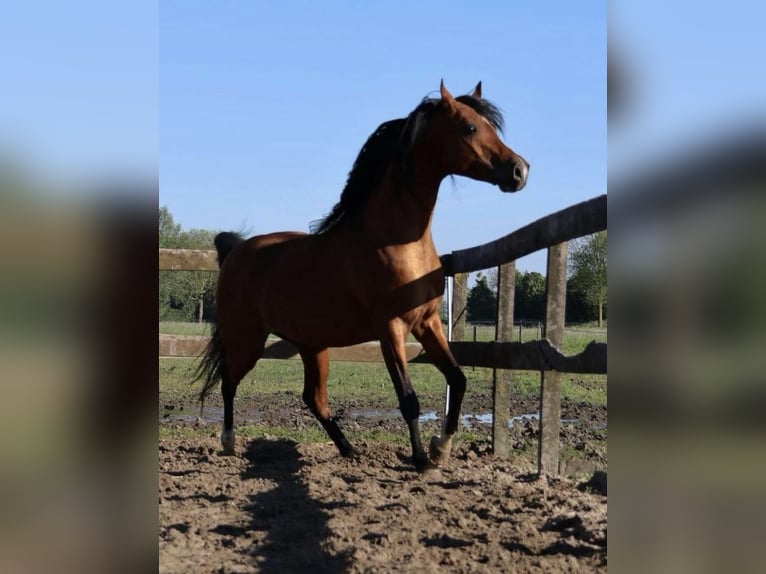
column 552, row 233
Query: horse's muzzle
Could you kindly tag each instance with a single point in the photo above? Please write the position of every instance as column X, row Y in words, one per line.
column 513, row 175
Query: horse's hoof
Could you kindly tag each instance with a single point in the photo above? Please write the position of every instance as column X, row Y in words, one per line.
column 227, row 442
column 351, row 453
column 439, row 449
column 423, row 464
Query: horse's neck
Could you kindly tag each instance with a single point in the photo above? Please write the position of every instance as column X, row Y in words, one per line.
column 401, row 212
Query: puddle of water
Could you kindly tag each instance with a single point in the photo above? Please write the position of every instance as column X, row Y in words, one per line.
column 215, row 414
column 470, row 419
column 211, row 414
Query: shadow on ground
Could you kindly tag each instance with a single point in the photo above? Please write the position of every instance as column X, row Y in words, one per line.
column 295, row 525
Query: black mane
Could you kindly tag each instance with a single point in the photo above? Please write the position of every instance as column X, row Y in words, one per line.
column 391, row 143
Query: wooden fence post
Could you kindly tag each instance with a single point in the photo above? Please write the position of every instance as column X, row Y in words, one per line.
column 501, row 378
column 550, row 381
column 459, row 299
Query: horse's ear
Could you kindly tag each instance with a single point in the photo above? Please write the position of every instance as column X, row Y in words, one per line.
column 446, row 96
column 477, row 91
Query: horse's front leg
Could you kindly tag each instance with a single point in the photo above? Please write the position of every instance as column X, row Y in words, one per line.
column 430, row 334
column 393, row 348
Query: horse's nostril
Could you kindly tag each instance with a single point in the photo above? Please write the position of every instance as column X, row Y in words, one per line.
column 519, row 172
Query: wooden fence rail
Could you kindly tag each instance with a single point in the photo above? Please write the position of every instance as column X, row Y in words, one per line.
column 194, row 346
column 576, row 221
column 552, row 233
column 188, row 260
column 529, row 356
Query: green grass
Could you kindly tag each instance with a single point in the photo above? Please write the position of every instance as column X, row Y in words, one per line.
column 365, row 382
column 184, row 328
column 576, row 337
column 360, row 384
column 362, row 381
column 594, row 393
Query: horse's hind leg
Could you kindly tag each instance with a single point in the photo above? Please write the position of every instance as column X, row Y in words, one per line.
column 316, row 367
column 228, row 390
column 240, row 359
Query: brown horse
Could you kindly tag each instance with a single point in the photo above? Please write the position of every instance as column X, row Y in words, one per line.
column 368, row 271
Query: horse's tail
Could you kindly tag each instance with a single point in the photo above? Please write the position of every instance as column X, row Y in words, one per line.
column 213, row 362
column 211, row 366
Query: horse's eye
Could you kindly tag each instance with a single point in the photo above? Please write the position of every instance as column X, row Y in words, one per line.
column 470, row 129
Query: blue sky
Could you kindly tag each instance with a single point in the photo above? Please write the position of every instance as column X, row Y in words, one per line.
column 254, row 112
column 694, row 76
column 265, row 105
column 80, row 87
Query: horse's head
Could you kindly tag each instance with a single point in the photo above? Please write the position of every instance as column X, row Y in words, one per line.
column 467, row 131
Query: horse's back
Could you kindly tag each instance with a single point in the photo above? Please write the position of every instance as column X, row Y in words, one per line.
column 299, row 285
column 246, row 268
column 263, row 241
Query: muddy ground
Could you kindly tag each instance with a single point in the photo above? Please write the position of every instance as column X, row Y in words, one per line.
column 281, row 506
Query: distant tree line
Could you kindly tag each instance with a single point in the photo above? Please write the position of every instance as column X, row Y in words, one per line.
column 586, row 288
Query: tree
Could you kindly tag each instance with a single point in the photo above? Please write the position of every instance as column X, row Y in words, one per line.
column 169, row 229
column 168, row 238
column 578, row 310
column 529, row 299
column 491, row 278
column 198, row 286
column 481, row 305
column 187, row 290
column 588, row 269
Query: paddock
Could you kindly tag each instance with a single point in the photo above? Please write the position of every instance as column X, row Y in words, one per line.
column 521, row 493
